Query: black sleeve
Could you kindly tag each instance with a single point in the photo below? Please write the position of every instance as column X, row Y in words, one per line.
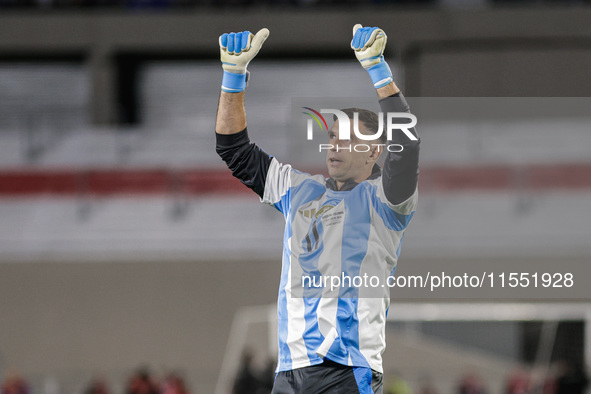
column 248, row 162
column 401, row 169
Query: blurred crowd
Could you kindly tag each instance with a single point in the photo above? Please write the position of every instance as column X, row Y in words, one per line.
column 562, row 378
column 143, row 382
column 140, row 382
column 253, row 380
column 14, row 384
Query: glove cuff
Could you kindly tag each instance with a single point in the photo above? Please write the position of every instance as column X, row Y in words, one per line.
column 380, row 74
column 234, row 83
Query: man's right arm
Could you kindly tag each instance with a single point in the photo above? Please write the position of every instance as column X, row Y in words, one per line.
column 248, row 162
column 231, row 116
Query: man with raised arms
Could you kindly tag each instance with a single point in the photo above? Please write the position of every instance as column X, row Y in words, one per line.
column 349, row 225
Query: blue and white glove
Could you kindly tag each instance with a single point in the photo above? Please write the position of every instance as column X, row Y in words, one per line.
column 236, row 51
column 369, row 44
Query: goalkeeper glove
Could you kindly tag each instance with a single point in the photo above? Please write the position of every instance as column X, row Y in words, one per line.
column 236, row 51
column 369, row 44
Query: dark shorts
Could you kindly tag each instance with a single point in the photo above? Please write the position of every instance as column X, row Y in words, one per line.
column 328, row 377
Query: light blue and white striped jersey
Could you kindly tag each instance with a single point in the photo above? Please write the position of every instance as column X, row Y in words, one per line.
column 330, row 233
column 354, row 231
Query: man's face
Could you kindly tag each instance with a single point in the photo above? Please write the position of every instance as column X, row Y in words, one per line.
column 343, row 161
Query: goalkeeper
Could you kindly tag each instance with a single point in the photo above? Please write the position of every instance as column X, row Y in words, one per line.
column 352, row 223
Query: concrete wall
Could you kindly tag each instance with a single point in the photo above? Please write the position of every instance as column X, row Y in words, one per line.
column 73, row 320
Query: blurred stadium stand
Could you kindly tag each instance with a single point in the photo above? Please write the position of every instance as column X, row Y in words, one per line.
column 175, row 4
column 124, row 240
column 167, row 168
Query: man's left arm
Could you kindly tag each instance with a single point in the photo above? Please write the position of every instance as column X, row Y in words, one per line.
column 401, row 169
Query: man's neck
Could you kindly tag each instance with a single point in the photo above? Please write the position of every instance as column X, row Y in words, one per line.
column 359, row 179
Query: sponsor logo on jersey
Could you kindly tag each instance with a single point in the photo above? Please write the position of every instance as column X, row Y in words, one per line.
column 315, row 213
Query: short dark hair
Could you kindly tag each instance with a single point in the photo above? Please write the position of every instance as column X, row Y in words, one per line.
column 369, row 118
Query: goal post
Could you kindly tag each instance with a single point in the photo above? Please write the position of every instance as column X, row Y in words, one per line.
column 255, row 327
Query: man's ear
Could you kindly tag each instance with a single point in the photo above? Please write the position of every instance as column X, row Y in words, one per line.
column 375, row 153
